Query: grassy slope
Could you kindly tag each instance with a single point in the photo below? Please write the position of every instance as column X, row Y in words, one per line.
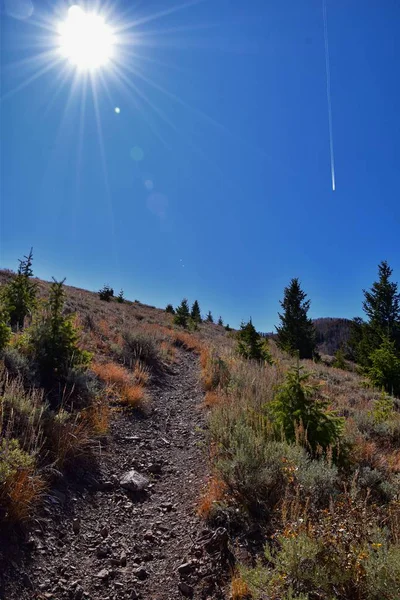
column 366, row 482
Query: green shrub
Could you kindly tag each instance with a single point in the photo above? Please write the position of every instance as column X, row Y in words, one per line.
column 384, row 371
column 140, row 347
column 5, row 330
column 340, row 362
column 53, row 341
column 13, row 458
column 298, row 413
column 333, row 559
column 195, row 312
column 19, row 296
column 170, row 309
column 383, row 409
column 106, row 293
column 182, row 314
column 251, row 345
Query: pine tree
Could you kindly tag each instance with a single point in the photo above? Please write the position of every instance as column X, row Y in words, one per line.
column 220, row 321
column 297, row 406
column 296, row 334
column 182, row 314
column 209, row 317
column 195, row 313
column 382, row 307
column 251, row 345
column 120, row 297
column 19, row 295
column 384, row 371
column 53, row 342
column 106, row 293
column 170, row 309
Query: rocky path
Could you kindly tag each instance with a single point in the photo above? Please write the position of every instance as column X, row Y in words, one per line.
column 101, row 541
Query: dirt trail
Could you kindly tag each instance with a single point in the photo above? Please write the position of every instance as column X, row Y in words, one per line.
column 98, row 541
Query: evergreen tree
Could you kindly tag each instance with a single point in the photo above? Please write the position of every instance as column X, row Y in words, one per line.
column 170, row 309
column 53, row 342
column 297, row 406
column 296, row 334
column 382, row 307
column 251, row 345
column 182, row 314
column 220, row 321
column 120, row 297
column 382, row 304
column 209, row 317
column 19, row 295
column 195, row 313
column 384, row 371
column 106, row 293
column 5, row 330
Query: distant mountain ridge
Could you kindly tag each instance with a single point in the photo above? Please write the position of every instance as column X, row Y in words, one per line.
column 332, row 333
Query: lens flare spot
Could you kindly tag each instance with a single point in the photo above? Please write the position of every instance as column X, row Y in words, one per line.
column 158, row 204
column 137, row 153
column 117, row 110
column 148, row 184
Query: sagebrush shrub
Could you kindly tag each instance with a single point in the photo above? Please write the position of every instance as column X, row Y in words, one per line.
column 140, row 347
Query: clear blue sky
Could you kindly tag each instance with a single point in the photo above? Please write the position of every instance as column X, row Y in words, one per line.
column 236, row 151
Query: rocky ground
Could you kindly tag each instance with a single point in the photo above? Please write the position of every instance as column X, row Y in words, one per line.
column 129, row 529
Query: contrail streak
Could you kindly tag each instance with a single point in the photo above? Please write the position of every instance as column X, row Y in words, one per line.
column 328, row 93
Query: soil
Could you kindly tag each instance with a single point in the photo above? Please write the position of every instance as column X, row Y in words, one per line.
column 96, row 540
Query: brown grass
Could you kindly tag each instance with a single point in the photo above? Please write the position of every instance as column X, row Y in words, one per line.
column 112, row 374
column 21, row 493
column 133, row 395
column 214, row 492
column 239, row 589
column 98, row 417
column 141, row 373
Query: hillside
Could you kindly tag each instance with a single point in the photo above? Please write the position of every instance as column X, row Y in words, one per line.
column 157, row 469
column 332, row 334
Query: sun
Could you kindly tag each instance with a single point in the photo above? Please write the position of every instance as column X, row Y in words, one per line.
column 85, row 39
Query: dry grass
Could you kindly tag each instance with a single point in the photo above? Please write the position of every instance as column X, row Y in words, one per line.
column 239, row 589
column 141, row 373
column 112, row 374
column 215, row 492
column 128, row 387
column 98, row 417
column 133, row 396
column 21, row 493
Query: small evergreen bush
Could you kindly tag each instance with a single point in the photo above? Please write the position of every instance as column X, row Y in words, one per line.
column 106, row 293
column 251, row 345
column 19, row 296
column 182, row 314
column 53, row 341
column 384, row 371
column 300, row 415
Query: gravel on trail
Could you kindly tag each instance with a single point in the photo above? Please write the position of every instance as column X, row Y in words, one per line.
column 129, row 529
